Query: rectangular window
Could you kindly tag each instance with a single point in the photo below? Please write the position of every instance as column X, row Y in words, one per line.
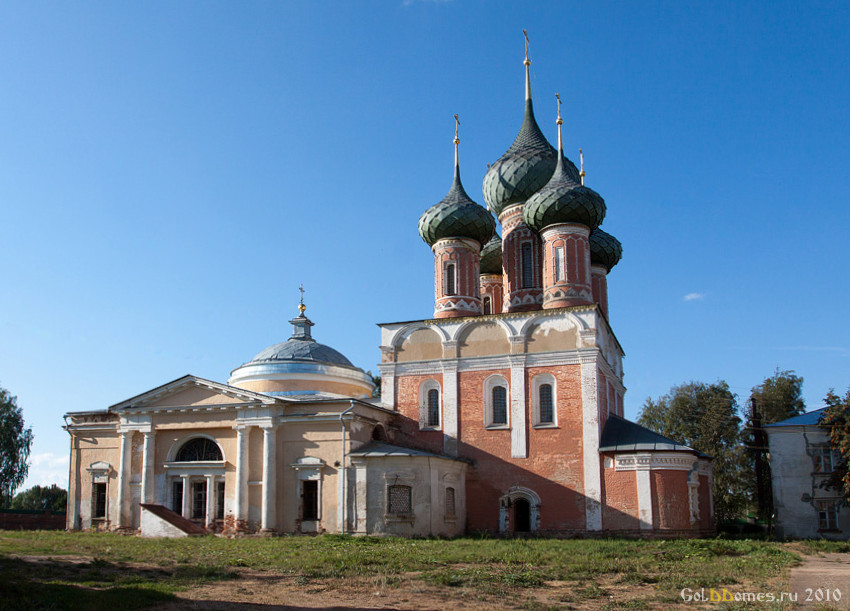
column 527, row 265
column 828, row 515
column 450, row 502
column 500, row 405
column 823, row 459
column 199, row 500
column 546, row 411
column 559, row 264
column 98, row 501
column 450, row 279
column 177, row 496
column 398, row 500
column 433, row 407
column 487, row 305
column 309, row 500
column 219, row 500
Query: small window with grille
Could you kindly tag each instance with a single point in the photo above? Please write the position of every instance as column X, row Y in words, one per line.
column 822, row 458
column 433, row 407
column 827, row 515
column 450, row 502
column 546, row 412
column 500, row 405
column 398, row 500
column 450, row 279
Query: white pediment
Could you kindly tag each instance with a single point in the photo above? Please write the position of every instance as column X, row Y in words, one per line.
column 194, row 392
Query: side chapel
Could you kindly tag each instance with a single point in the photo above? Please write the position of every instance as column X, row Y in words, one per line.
column 502, row 413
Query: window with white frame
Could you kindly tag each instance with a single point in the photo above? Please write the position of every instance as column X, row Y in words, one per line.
column 429, row 404
column 449, row 274
column 527, row 265
column 543, row 398
column 558, row 266
column 827, row 515
column 496, row 402
column 823, row 459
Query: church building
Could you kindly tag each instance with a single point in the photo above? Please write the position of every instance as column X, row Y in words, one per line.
column 502, row 413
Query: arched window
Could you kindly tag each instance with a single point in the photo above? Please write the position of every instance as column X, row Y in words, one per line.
column 496, row 402
column 433, row 407
column 545, row 392
column 429, row 404
column 545, row 412
column 527, row 265
column 487, row 305
column 559, row 264
column 450, row 279
column 199, row 449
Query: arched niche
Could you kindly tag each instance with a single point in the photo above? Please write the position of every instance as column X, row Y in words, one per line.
column 552, row 334
column 422, row 344
column 483, row 339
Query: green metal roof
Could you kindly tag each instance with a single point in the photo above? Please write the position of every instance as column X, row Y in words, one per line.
column 621, row 435
column 456, row 216
column 491, row 256
column 605, row 249
column 563, row 200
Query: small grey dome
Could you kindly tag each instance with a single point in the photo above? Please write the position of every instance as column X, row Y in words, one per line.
column 491, row 256
column 605, row 249
column 302, row 350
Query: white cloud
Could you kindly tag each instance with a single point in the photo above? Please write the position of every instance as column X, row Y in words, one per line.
column 694, row 297
column 46, row 469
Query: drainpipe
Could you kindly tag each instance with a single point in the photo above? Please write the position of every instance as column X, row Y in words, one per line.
column 342, row 474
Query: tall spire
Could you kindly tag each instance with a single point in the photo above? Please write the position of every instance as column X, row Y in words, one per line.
column 457, row 141
column 527, row 63
column 581, row 171
column 560, row 122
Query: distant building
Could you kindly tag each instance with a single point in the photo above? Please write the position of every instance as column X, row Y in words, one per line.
column 502, row 413
column 801, row 459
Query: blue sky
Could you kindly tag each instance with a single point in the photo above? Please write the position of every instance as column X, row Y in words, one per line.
column 171, row 172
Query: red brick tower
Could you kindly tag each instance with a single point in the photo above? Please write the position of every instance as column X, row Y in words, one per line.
column 491, row 277
column 455, row 228
column 526, row 167
column 605, row 252
column 564, row 213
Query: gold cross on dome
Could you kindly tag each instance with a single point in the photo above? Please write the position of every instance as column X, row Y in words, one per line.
column 301, row 306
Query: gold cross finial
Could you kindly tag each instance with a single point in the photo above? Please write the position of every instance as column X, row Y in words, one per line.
column 581, row 172
column 457, row 125
column 560, row 121
column 301, row 306
column 527, row 61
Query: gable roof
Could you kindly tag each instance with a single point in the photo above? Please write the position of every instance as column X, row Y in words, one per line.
column 812, row 418
column 621, row 435
column 187, row 381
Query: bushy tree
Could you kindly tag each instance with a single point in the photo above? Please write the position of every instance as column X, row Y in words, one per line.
column 777, row 398
column 837, row 418
column 705, row 417
column 15, row 443
column 41, row 498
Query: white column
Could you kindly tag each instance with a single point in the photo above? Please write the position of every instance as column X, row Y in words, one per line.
column 267, row 519
column 519, row 442
column 187, row 497
column 644, row 491
column 123, row 466
column 210, row 513
column 241, row 492
column 590, row 444
column 450, row 407
column 147, row 468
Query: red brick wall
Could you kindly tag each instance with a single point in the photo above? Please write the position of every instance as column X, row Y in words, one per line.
column 553, row 469
column 514, row 233
column 670, row 508
column 620, row 504
column 407, row 393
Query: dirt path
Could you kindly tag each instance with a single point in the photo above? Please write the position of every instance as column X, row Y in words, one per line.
column 818, row 581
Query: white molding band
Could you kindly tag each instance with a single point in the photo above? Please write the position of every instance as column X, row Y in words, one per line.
column 519, row 443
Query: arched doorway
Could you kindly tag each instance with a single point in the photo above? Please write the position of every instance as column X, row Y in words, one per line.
column 522, row 516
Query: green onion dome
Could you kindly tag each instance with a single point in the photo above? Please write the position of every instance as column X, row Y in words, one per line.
column 605, row 249
column 491, row 256
column 456, row 216
column 526, row 167
column 563, row 200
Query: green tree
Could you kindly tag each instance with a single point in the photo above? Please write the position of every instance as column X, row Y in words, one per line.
column 777, row 398
column 15, row 443
column 376, row 380
column 705, row 417
column 837, row 418
column 41, row 498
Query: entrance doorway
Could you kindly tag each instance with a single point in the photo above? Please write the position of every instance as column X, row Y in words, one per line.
column 522, row 516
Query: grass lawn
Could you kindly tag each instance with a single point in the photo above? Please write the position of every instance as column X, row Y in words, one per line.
column 58, row 570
